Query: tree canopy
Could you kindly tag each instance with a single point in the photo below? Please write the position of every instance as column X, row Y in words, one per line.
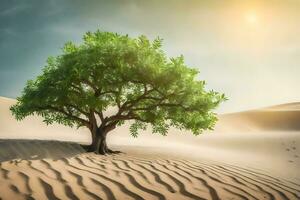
column 133, row 75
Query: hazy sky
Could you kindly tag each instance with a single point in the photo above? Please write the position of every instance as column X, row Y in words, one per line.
column 249, row 50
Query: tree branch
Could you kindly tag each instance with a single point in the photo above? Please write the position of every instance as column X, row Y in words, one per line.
column 68, row 114
column 100, row 115
column 161, row 104
column 87, row 82
column 78, row 109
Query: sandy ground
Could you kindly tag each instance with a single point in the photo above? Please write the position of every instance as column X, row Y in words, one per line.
column 250, row 155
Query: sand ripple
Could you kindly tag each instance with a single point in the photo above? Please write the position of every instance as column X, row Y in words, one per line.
column 88, row 176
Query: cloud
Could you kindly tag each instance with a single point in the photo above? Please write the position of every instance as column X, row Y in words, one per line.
column 14, row 10
column 8, row 32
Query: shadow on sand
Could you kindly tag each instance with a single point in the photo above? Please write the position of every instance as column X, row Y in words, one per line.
column 11, row 149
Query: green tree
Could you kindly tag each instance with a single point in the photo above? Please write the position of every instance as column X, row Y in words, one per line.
column 132, row 75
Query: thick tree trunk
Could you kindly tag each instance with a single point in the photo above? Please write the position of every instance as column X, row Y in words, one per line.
column 99, row 145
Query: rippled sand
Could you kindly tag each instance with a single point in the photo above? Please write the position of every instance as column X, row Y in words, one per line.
column 126, row 176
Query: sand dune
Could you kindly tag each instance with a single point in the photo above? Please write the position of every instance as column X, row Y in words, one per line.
column 88, row 176
column 270, row 119
column 288, row 106
column 34, row 128
column 250, row 155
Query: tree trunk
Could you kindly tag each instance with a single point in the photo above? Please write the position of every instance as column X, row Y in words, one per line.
column 99, row 145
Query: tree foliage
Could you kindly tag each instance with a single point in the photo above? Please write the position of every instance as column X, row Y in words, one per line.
column 133, row 75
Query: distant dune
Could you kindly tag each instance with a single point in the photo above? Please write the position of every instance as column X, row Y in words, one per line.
column 250, row 155
column 288, row 106
column 34, row 128
column 276, row 118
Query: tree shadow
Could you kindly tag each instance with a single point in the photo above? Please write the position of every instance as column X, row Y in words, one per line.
column 18, row 150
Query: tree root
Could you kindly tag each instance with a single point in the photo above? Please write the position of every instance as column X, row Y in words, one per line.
column 109, row 151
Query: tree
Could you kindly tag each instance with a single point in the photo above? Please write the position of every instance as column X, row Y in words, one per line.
column 132, row 75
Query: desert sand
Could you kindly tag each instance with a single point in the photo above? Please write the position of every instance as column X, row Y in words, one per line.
column 250, row 155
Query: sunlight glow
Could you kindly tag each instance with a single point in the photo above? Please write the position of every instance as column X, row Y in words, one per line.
column 251, row 18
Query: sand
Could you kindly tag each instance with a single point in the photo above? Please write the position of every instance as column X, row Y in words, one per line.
column 250, row 155
column 34, row 128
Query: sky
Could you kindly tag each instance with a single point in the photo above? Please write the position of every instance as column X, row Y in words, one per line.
column 247, row 49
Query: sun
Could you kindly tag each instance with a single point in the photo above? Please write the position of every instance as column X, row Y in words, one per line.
column 251, row 17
